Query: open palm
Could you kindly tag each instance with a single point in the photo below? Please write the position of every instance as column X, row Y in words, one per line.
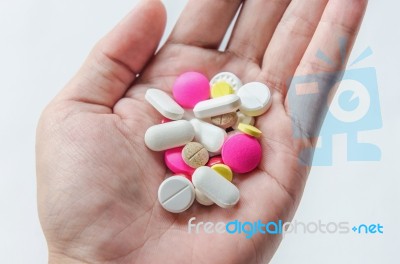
column 97, row 182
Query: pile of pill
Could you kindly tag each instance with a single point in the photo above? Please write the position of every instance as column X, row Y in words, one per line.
column 207, row 134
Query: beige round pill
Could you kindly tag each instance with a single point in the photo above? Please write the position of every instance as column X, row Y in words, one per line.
column 226, row 120
column 195, row 155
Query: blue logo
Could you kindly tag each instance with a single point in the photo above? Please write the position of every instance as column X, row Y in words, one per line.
column 249, row 229
column 368, row 229
column 353, row 108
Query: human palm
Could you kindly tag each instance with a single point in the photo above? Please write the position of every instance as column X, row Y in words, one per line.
column 97, row 181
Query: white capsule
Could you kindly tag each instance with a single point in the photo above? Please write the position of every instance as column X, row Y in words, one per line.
column 216, row 188
column 217, row 106
column 176, row 194
column 229, row 78
column 210, row 136
column 255, row 98
column 169, row 135
column 164, row 104
column 202, row 199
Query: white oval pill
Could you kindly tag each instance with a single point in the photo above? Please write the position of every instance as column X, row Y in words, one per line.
column 210, row 136
column 255, row 98
column 215, row 187
column 227, row 77
column 169, row 135
column 202, row 199
column 217, row 106
column 176, row 194
column 164, row 104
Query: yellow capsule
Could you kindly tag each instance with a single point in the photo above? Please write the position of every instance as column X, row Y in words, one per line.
column 249, row 130
column 220, row 89
column 223, row 170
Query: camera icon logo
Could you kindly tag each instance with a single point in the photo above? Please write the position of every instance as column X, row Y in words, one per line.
column 354, row 107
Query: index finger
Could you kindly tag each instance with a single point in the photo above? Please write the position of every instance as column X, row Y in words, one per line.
column 322, row 65
column 204, row 23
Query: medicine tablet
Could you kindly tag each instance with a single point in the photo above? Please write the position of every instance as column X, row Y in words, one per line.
column 255, row 98
column 164, row 104
column 242, row 153
column 169, row 135
column 229, row 78
column 217, row 106
column 188, row 115
column 226, row 120
column 249, row 130
column 195, row 155
column 224, row 171
column 210, row 136
column 216, row 188
column 174, row 161
column 202, row 199
column 220, row 89
column 214, row 160
column 242, row 118
column 176, row 194
column 191, row 88
column 165, row 120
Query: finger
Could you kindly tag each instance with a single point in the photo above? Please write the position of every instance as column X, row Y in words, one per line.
column 255, row 27
column 116, row 60
column 204, row 23
column 290, row 40
column 322, row 65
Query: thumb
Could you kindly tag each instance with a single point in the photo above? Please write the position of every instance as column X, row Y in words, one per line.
column 113, row 64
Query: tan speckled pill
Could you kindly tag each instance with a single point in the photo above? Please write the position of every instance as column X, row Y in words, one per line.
column 195, row 155
column 226, row 120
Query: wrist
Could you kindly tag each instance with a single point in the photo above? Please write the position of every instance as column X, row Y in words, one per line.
column 55, row 258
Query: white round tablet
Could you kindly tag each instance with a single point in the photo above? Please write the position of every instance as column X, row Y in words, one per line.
column 176, row 194
column 229, row 78
column 255, row 98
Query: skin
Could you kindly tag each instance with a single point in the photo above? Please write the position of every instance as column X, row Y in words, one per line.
column 97, row 181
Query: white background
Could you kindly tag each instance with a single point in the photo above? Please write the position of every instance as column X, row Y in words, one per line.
column 42, row 44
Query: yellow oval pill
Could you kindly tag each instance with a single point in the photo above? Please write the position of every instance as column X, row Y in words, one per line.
column 223, row 170
column 249, row 130
column 221, row 89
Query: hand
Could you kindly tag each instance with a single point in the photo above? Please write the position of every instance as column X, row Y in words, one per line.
column 97, row 181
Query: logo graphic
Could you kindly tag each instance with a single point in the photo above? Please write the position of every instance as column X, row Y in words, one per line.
column 353, row 108
column 249, row 229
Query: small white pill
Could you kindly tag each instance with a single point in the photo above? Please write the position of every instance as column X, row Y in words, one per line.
column 216, row 188
column 164, row 104
column 176, row 194
column 217, row 106
column 255, row 98
column 169, row 135
column 227, row 77
column 244, row 119
column 210, row 136
column 188, row 114
column 202, row 199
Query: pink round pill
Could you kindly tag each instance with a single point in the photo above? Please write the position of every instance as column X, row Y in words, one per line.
column 242, row 153
column 214, row 160
column 174, row 161
column 165, row 120
column 191, row 88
